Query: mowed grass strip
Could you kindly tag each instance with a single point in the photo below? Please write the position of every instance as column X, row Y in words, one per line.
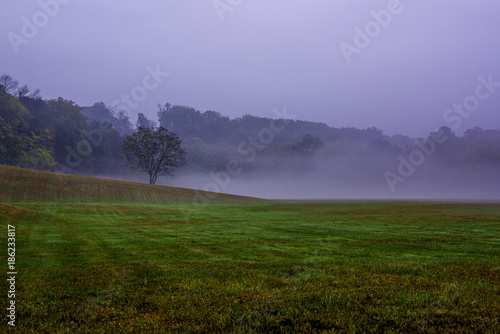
column 255, row 268
column 19, row 185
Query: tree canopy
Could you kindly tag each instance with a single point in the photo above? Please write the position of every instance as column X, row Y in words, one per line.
column 154, row 151
column 59, row 135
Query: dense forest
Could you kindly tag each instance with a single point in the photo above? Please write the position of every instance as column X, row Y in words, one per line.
column 58, row 135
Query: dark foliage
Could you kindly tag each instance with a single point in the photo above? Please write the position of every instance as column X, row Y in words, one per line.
column 154, row 151
column 62, row 136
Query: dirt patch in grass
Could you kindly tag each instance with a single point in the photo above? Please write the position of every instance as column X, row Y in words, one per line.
column 15, row 212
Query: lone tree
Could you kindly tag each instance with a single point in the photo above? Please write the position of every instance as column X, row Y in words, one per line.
column 154, row 151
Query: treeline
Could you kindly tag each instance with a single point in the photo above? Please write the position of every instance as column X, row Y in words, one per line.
column 56, row 135
column 59, row 135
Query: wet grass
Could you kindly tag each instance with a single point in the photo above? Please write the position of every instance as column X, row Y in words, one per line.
column 255, row 268
column 26, row 185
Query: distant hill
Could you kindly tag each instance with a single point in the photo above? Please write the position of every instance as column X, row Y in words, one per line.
column 18, row 185
column 58, row 135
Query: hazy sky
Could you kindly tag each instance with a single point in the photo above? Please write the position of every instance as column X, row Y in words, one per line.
column 249, row 56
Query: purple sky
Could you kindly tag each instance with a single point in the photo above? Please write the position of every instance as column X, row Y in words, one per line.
column 255, row 55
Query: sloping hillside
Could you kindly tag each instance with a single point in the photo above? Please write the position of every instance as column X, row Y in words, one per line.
column 19, row 185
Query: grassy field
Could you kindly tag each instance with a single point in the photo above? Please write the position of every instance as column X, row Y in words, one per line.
column 20, row 185
column 239, row 265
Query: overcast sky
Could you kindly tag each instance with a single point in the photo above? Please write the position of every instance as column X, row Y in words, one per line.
column 250, row 56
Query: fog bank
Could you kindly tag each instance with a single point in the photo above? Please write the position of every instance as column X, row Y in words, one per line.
column 313, row 186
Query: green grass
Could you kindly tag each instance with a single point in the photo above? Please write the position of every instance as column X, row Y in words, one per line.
column 26, row 185
column 255, row 267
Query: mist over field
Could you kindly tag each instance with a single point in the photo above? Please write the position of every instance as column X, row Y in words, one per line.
column 346, row 181
column 250, row 166
column 337, row 99
column 273, row 158
column 321, row 187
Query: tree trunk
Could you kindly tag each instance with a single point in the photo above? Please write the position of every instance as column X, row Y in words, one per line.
column 152, row 178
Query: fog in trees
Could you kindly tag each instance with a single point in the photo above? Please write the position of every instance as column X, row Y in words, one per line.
column 268, row 157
